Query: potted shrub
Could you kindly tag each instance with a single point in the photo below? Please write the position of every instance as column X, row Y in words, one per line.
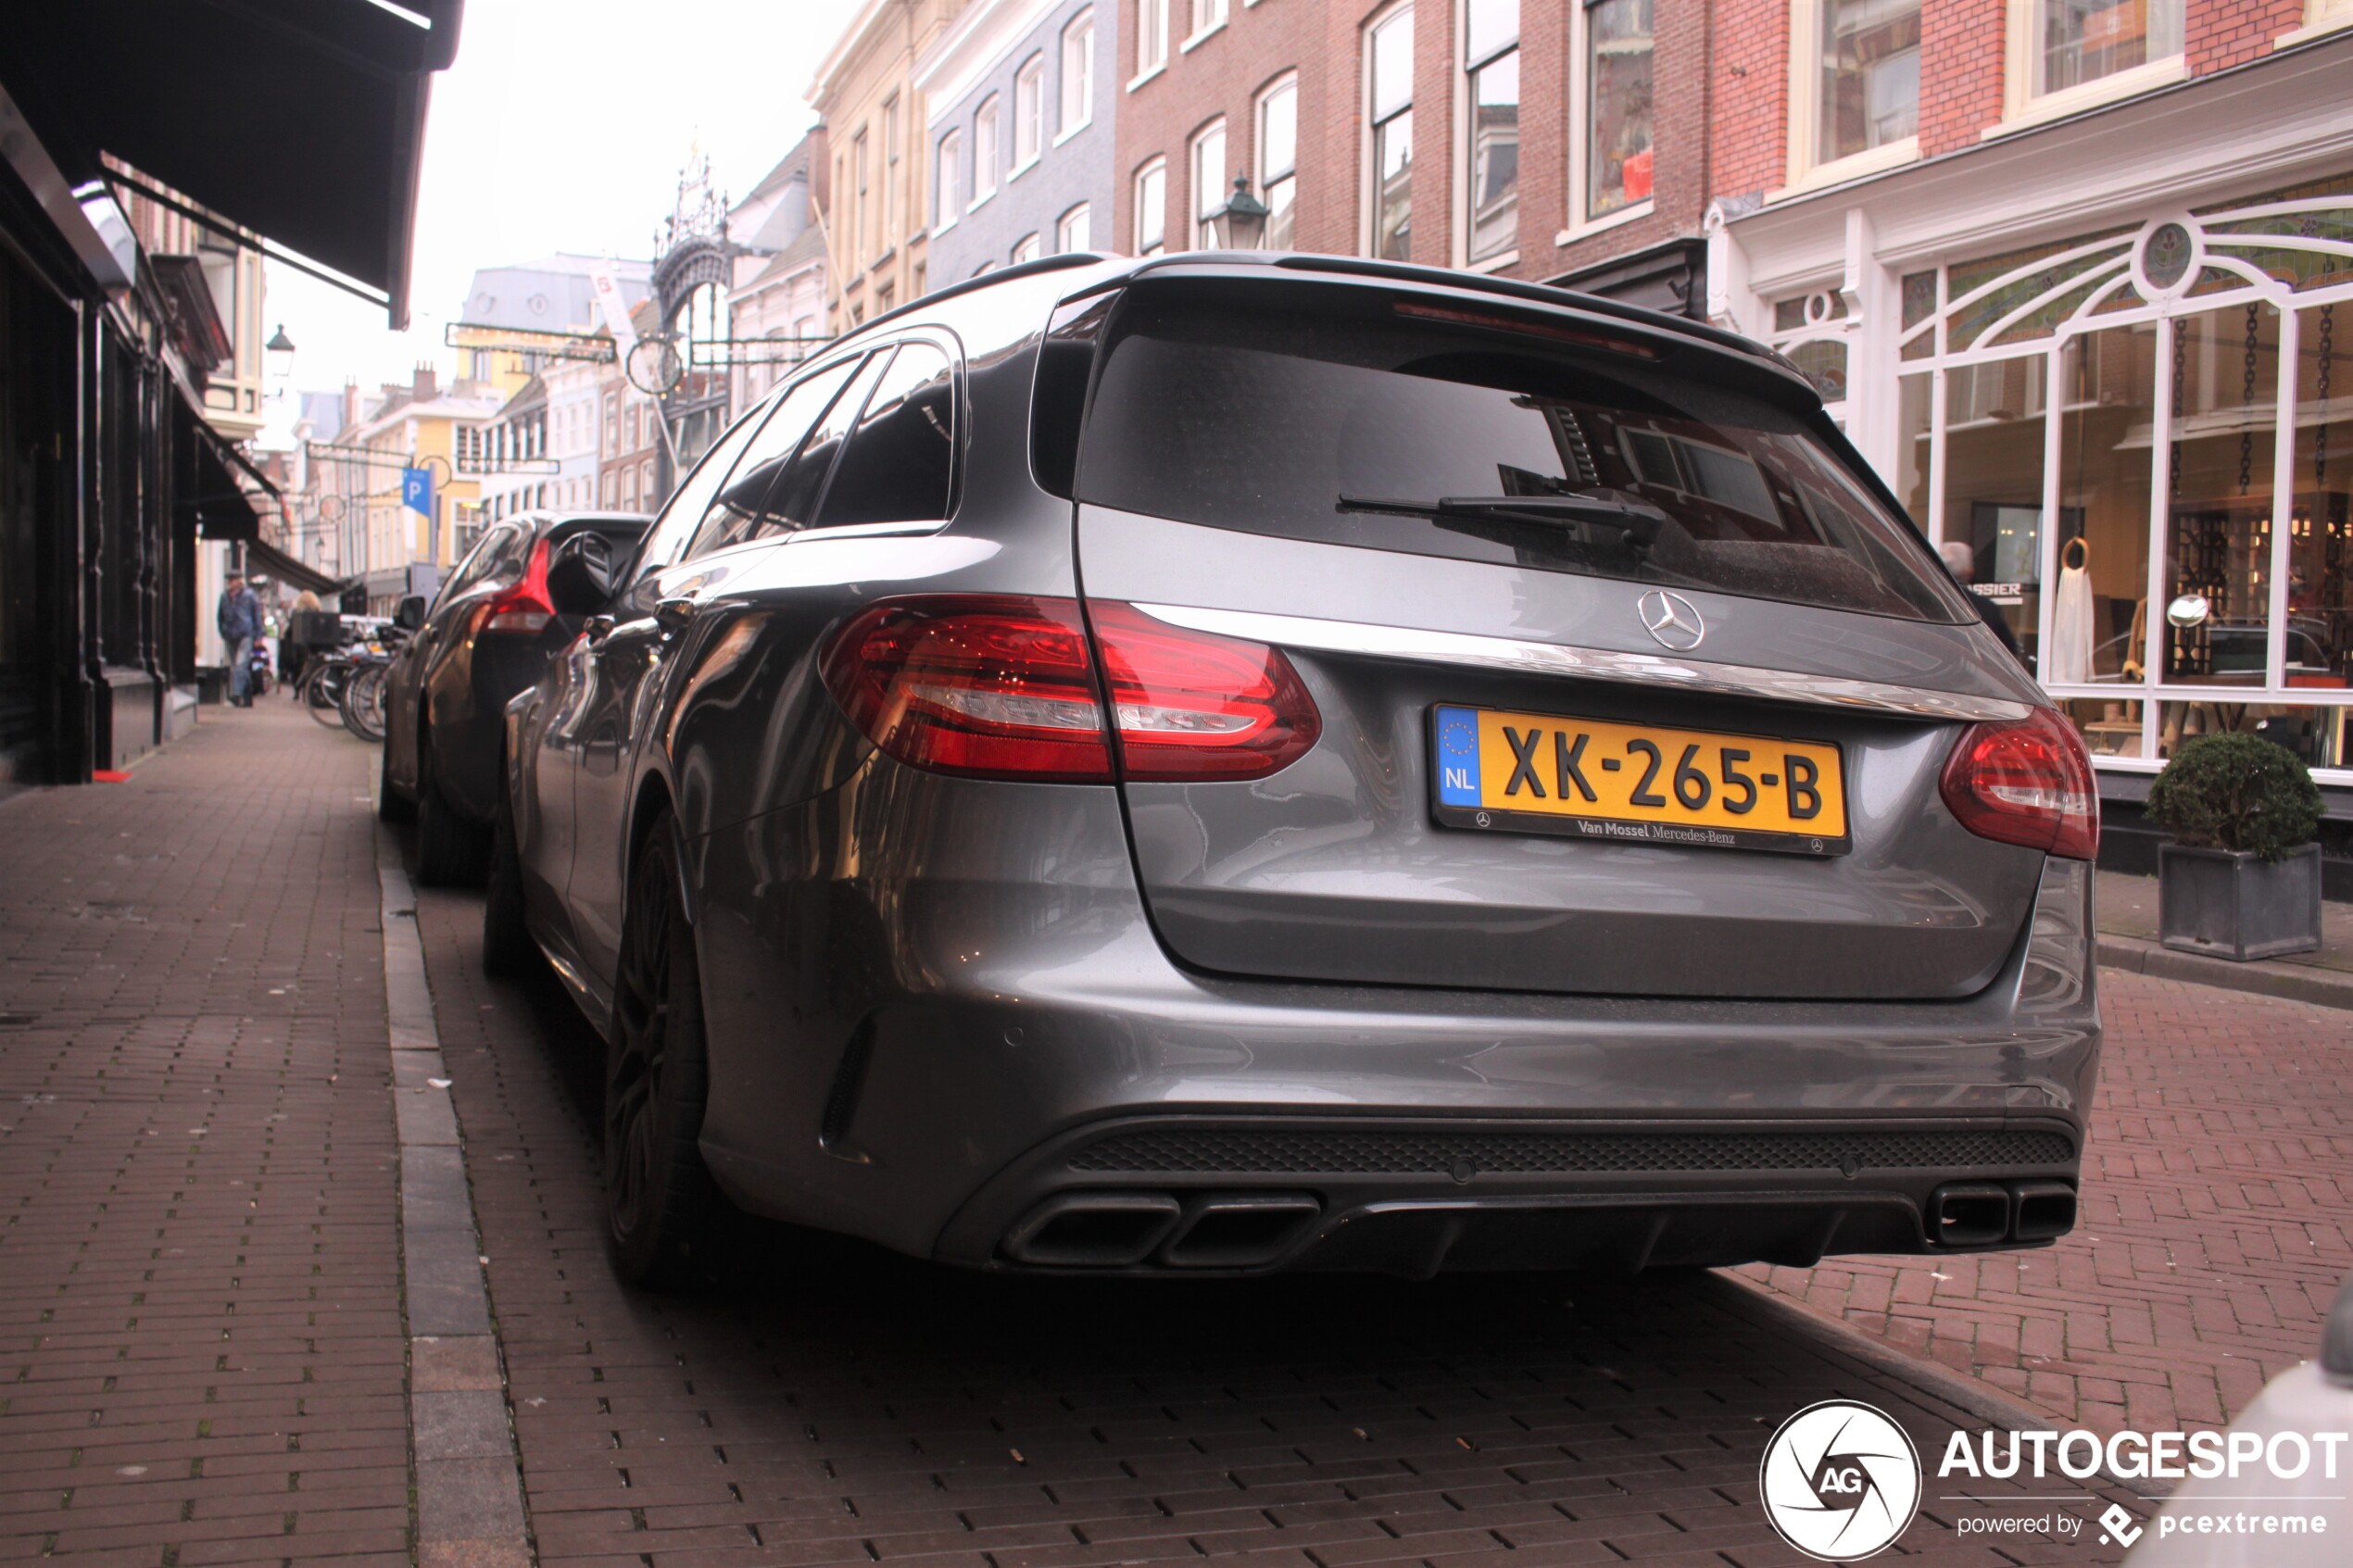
column 2240, row 874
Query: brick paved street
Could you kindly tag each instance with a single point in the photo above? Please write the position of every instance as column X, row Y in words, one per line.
column 2217, row 1223
column 199, row 1280
column 199, row 1272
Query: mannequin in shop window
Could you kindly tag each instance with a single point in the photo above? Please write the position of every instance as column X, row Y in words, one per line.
column 2069, row 661
column 1961, row 561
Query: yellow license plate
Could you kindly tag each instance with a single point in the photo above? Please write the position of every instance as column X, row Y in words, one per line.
column 1637, row 784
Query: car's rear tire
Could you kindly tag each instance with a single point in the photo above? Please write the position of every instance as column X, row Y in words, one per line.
column 391, row 805
column 506, row 948
column 451, row 851
column 659, row 1203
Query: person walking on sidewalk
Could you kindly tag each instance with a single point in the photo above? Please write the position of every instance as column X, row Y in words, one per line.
column 240, row 622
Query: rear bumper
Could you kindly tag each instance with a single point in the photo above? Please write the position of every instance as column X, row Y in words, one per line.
column 1222, row 1195
column 926, row 1059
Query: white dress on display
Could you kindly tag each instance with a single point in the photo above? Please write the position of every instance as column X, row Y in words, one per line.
column 2069, row 660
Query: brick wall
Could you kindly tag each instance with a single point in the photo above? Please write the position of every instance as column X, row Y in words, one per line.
column 1962, row 48
column 2222, row 33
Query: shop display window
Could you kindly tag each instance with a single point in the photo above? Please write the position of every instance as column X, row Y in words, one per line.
column 1994, row 483
column 2109, row 727
column 2225, row 396
column 2100, row 592
column 2320, row 520
column 2318, row 734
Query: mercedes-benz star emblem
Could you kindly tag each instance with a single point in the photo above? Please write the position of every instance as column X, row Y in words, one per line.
column 1670, row 621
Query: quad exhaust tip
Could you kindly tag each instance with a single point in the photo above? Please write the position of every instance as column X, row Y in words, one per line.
column 1113, row 1230
column 1988, row 1213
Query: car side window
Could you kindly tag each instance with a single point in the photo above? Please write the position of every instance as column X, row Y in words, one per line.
column 666, row 540
column 733, row 514
column 900, row 459
column 791, row 502
column 478, row 562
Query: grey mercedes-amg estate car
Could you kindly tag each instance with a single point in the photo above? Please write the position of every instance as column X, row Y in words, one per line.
column 1236, row 762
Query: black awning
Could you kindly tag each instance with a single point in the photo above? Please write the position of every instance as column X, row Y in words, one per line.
column 299, row 120
column 229, row 492
column 265, row 560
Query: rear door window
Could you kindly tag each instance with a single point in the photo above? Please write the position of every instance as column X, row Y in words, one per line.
column 733, row 514
column 899, row 464
column 791, row 502
column 1376, row 430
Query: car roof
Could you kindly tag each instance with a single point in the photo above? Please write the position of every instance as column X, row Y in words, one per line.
column 1093, row 271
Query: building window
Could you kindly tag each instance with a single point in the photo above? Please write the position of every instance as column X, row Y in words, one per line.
column 889, row 235
column 985, row 152
column 1071, row 231
column 2077, row 41
column 1208, row 184
column 950, row 185
column 1871, row 77
column 613, row 415
column 1029, row 111
column 1079, row 76
column 1025, row 249
column 1207, row 17
column 1389, row 95
column 1151, row 208
column 1278, row 162
column 1616, row 59
column 1152, row 36
column 1490, row 62
column 861, row 230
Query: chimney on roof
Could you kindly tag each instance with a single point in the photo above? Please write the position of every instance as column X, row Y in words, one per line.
column 426, row 385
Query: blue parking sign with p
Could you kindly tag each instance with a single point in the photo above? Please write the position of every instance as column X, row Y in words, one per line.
column 416, row 490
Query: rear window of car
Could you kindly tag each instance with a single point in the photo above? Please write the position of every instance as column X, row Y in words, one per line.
column 1371, row 429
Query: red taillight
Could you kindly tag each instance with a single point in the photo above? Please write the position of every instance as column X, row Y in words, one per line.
column 1004, row 687
column 993, row 687
column 526, row 607
column 2026, row 782
column 1193, row 706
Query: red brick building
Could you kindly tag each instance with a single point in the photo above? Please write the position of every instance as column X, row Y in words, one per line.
column 1397, row 128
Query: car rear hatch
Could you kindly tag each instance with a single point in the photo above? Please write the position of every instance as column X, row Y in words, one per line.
column 1593, row 667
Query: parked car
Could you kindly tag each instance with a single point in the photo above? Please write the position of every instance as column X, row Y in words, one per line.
column 489, row 631
column 1228, row 763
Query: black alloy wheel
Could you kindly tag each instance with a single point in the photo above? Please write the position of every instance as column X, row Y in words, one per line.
column 506, row 948
column 659, row 1203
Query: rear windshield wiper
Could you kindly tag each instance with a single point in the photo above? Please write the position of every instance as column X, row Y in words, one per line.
column 1638, row 520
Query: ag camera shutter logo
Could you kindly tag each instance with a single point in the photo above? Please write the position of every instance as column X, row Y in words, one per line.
column 1840, row 1480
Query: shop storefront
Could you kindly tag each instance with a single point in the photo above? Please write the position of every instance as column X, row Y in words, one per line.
column 2116, row 361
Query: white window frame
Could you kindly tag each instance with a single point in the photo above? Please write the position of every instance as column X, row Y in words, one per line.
column 1080, row 212
column 1029, row 247
column 1807, row 171
column 1208, row 18
column 948, row 181
column 1368, row 168
column 989, row 134
column 1155, row 168
column 2321, row 18
column 1581, row 133
column 1029, row 113
column 1151, row 41
column 1194, row 206
column 1262, row 178
column 1466, row 113
column 2024, row 106
column 1079, row 38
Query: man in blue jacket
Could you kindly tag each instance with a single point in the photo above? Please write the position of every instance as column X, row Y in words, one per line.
column 240, row 622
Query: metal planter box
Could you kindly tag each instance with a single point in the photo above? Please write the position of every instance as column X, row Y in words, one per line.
column 2230, row 905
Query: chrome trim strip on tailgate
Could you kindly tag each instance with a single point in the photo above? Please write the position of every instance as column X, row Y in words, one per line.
column 1588, row 664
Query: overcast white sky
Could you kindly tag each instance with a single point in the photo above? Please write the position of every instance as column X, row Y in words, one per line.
column 562, row 126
